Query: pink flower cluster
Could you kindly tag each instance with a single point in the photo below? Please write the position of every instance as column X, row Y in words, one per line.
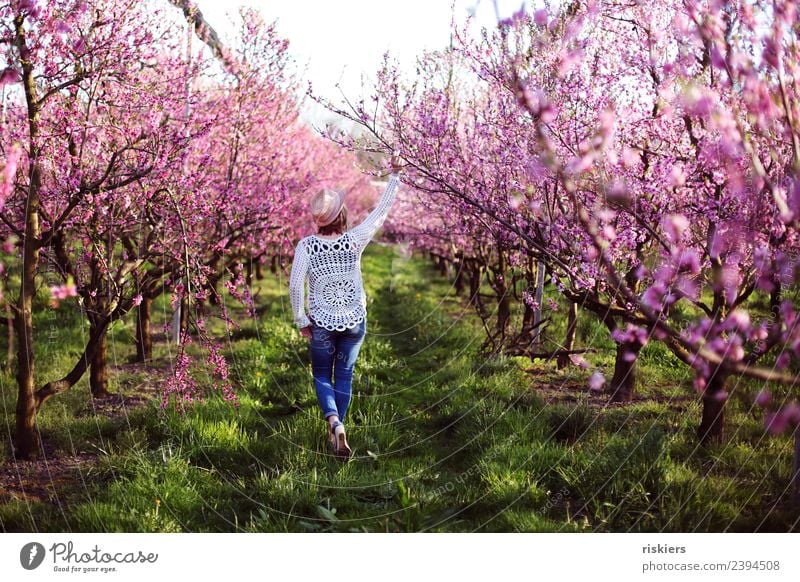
column 59, row 293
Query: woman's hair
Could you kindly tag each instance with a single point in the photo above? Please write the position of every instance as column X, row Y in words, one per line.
column 339, row 224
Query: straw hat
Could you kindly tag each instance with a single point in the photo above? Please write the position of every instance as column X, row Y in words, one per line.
column 326, row 205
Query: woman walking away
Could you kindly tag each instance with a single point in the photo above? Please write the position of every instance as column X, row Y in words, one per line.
column 336, row 322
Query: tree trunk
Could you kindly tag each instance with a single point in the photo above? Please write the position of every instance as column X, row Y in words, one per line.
column 249, row 273
column 623, row 383
column 539, row 298
column 98, row 371
column 500, row 287
column 528, row 313
column 441, row 265
column 9, row 339
column 144, row 332
column 259, row 270
column 569, row 340
column 474, row 284
column 503, row 313
column 61, row 385
column 184, row 326
column 795, row 480
column 458, row 283
column 503, row 307
column 27, row 444
column 215, row 274
column 527, row 320
column 711, row 424
column 212, row 286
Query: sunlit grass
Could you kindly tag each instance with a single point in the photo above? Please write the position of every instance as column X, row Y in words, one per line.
column 444, row 439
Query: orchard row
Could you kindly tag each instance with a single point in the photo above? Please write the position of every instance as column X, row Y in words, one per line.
column 139, row 163
column 642, row 158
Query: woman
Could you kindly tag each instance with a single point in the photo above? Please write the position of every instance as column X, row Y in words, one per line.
column 336, row 322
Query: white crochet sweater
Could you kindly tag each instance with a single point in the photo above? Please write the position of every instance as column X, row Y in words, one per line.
column 336, row 298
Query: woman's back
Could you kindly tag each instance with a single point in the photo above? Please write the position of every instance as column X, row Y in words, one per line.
column 336, row 297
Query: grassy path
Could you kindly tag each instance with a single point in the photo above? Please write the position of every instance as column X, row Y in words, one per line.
column 444, row 440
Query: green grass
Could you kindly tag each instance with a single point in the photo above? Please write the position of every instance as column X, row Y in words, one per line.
column 444, row 439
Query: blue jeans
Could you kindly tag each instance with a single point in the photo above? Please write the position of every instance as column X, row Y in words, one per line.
column 333, row 358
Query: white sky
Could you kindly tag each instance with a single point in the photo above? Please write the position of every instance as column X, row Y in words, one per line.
column 339, row 40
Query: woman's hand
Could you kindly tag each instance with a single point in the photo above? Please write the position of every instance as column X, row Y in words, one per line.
column 306, row 331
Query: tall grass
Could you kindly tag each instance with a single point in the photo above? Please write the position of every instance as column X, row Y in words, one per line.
column 444, row 440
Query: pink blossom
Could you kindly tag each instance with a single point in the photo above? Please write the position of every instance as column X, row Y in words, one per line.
column 688, row 261
column 596, row 381
column 8, row 174
column 699, row 102
column 677, row 177
column 528, row 299
column 775, row 422
column 674, row 226
column 630, row 157
column 686, row 287
column 739, row 319
column 63, row 291
column 792, row 413
column 720, row 396
column 568, row 60
column 29, row 6
column 60, row 292
column 9, row 245
column 580, row 164
column 9, row 75
column 579, row 361
column 699, row 383
column 763, row 398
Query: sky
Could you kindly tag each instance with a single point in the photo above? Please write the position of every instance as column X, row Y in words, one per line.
column 338, row 41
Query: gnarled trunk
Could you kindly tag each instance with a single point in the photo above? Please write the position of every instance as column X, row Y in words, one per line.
column 795, row 479
column 27, row 445
column 539, row 298
column 623, row 383
column 248, row 265
column 98, row 370
column 61, row 385
column 712, row 422
column 459, row 281
column 184, row 323
column 569, row 340
column 474, row 284
column 503, row 313
column 527, row 320
column 144, row 334
column 9, row 339
column 441, row 265
column 26, row 440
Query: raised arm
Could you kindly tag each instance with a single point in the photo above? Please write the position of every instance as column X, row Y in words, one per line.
column 297, row 286
column 367, row 229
